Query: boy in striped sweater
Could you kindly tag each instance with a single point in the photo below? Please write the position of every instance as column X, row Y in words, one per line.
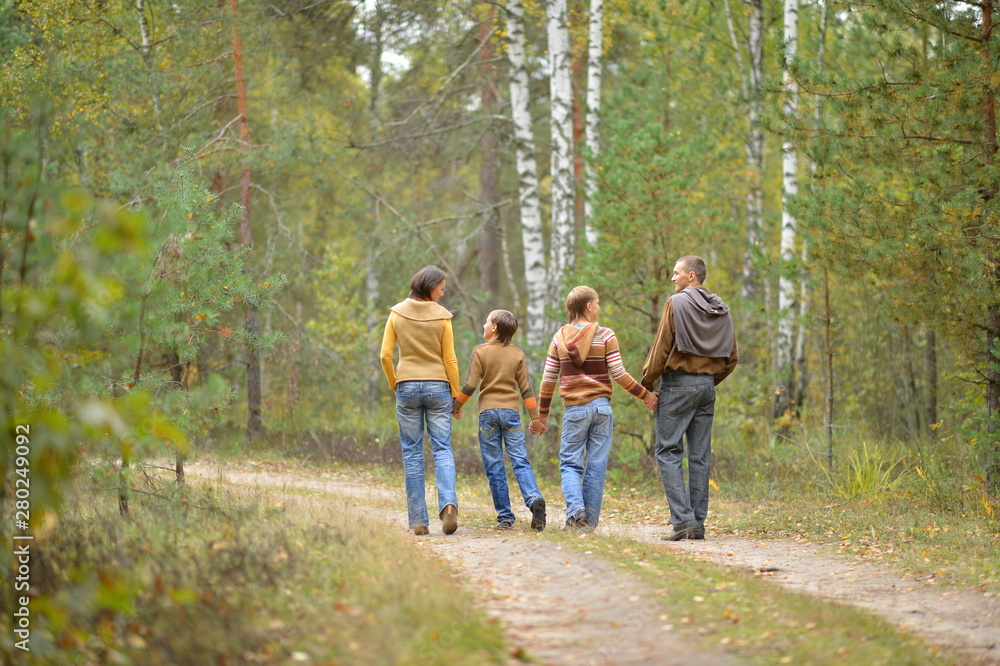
column 583, row 358
column 500, row 372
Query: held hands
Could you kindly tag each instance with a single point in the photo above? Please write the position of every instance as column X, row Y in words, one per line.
column 456, row 410
column 651, row 401
column 537, row 427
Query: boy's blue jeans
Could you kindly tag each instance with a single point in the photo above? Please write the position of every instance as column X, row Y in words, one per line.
column 497, row 427
column 583, row 456
column 417, row 402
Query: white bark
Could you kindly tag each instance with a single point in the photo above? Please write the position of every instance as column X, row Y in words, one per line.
column 147, row 57
column 752, row 85
column 561, row 244
column 527, row 177
column 789, row 189
column 595, row 52
column 802, row 332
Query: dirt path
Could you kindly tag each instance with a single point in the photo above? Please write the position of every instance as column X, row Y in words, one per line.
column 530, row 584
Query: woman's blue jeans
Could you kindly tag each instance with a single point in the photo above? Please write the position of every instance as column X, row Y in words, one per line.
column 583, row 456
column 496, row 428
column 417, row 403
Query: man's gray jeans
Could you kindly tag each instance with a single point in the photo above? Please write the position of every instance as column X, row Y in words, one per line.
column 685, row 409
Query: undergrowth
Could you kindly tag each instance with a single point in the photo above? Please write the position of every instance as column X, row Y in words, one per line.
column 207, row 575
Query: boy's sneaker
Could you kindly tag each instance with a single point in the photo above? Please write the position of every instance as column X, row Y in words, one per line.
column 578, row 521
column 505, row 524
column 538, row 514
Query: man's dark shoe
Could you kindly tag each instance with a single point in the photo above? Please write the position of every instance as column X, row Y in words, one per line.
column 449, row 519
column 538, row 514
column 682, row 531
column 698, row 534
column 505, row 524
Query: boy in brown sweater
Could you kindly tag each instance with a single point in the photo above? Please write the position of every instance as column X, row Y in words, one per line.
column 500, row 372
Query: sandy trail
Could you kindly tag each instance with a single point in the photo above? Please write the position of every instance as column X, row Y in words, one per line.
column 560, row 606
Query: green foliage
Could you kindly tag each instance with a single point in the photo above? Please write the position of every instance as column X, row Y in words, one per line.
column 57, row 302
column 194, row 276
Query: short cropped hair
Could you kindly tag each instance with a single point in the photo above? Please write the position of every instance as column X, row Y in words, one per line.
column 506, row 324
column 424, row 281
column 695, row 264
column 577, row 299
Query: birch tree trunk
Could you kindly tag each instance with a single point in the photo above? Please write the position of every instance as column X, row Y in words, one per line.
column 802, row 332
column 489, row 237
column 785, row 392
column 527, row 181
column 752, row 74
column 254, row 398
column 561, row 244
column 147, row 58
column 373, row 320
column 595, row 52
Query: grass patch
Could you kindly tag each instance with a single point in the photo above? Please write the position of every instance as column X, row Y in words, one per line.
column 729, row 609
column 210, row 574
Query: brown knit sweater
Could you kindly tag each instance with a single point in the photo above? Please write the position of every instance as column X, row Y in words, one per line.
column 426, row 344
column 584, row 361
column 501, row 374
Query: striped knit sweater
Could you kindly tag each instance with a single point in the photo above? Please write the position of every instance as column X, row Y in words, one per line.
column 583, row 362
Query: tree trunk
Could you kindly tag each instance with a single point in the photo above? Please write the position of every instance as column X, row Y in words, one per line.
column 254, row 398
column 930, row 363
column 992, row 471
column 178, row 381
column 595, row 52
column 579, row 202
column 751, row 67
column 801, row 359
column 755, row 157
column 784, row 361
column 489, row 237
column 147, row 57
column 527, row 182
column 561, row 82
column 828, row 344
column 373, row 320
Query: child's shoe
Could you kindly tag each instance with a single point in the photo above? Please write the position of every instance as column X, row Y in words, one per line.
column 538, row 514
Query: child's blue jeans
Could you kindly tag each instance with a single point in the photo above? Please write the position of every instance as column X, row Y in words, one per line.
column 497, row 427
column 583, row 456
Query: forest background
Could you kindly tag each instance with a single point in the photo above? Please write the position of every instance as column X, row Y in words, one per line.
column 209, row 206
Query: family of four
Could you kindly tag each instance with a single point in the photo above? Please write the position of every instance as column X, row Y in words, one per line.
column 694, row 349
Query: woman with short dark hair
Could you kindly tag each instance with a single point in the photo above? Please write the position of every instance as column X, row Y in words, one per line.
column 425, row 382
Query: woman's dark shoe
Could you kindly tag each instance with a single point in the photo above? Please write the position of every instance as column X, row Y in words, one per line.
column 421, row 530
column 449, row 519
column 538, row 514
column 505, row 524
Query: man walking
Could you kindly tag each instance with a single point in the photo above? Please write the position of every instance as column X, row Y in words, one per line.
column 694, row 350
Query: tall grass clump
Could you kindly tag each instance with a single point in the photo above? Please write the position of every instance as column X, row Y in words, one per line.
column 208, row 574
column 868, row 470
